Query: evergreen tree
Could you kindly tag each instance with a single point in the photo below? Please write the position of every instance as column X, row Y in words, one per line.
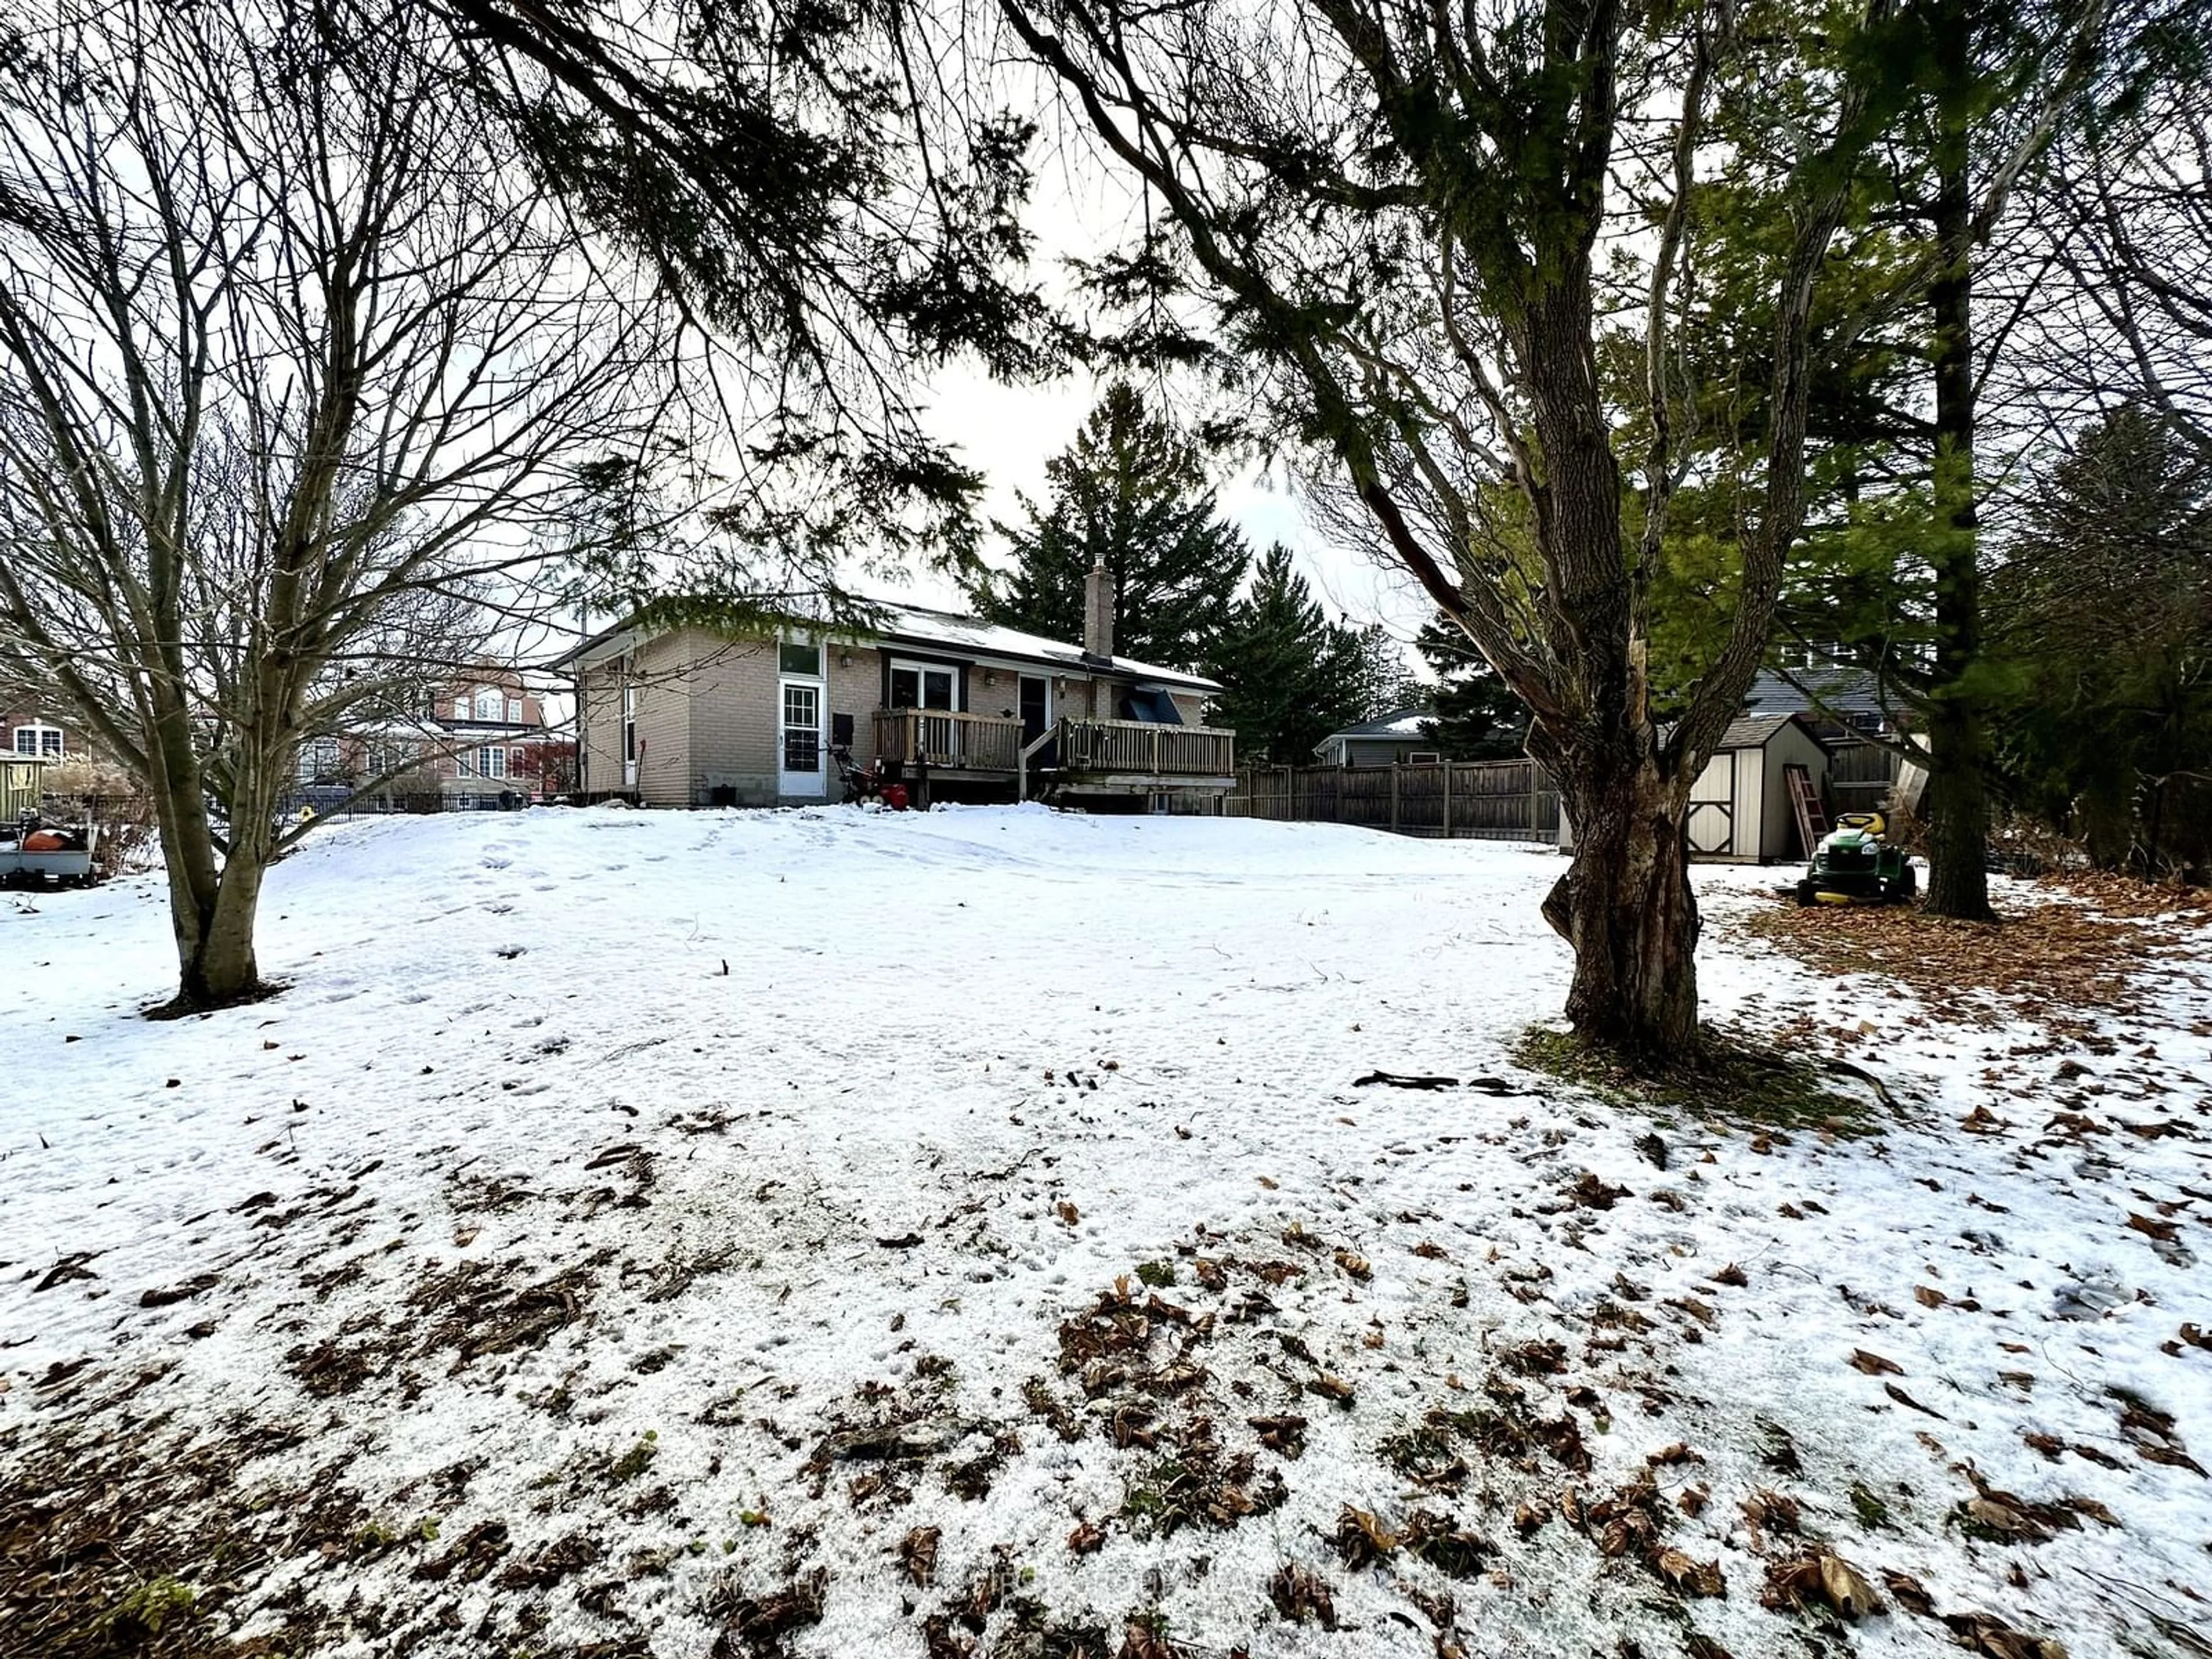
column 1289, row 675
column 2103, row 614
column 1131, row 489
column 1478, row 716
column 1383, row 684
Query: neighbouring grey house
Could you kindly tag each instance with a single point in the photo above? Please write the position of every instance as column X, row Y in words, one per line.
column 1836, row 702
column 1395, row 737
column 957, row 708
column 1846, row 710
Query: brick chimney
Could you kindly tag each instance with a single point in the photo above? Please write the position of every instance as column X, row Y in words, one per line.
column 1098, row 613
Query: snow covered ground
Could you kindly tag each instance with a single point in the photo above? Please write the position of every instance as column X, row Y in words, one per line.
column 850, row 1234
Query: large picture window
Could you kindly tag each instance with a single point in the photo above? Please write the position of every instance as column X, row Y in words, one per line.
column 923, row 685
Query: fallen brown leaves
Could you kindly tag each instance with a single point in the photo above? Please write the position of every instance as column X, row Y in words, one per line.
column 2080, row 954
column 1806, row 1580
column 758, row 1624
column 1300, row 1595
column 917, row 1554
column 1986, row 1634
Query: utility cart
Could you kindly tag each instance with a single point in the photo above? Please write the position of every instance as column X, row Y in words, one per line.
column 33, row 852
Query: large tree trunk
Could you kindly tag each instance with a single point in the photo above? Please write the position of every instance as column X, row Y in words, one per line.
column 214, row 895
column 1957, row 812
column 220, row 969
column 1626, row 907
column 1958, row 775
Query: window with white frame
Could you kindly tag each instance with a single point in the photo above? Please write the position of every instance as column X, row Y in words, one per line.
column 319, row 760
column 36, row 739
column 460, row 708
column 514, row 711
column 389, row 757
column 490, row 703
column 492, row 762
column 629, row 723
column 464, row 763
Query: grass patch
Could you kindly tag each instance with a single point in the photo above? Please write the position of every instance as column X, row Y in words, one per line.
column 1873, row 1513
column 1733, row 1082
column 141, row 1614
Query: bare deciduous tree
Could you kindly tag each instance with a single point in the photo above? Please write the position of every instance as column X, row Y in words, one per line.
column 299, row 372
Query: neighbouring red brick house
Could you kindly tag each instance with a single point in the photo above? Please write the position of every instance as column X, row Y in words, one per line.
column 481, row 741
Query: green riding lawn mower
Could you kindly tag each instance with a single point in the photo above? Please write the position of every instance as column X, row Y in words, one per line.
column 1857, row 864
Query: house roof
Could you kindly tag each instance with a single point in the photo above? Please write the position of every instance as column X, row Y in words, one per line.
column 949, row 630
column 1839, row 690
column 1399, row 723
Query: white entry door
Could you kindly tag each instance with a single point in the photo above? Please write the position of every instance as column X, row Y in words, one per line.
column 799, row 738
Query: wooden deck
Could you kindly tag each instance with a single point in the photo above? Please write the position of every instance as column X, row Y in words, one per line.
column 1122, row 756
column 1077, row 756
column 944, row 741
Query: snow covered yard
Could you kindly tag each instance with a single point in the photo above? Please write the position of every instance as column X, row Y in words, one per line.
column 845, row 1234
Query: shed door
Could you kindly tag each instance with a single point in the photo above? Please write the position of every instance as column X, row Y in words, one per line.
column 1712, row 808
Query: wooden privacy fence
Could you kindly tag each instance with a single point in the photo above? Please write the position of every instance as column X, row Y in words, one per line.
column 1489, row 801
column 1860, row 777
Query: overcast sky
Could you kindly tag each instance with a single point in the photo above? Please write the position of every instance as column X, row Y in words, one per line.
column 1010, row 432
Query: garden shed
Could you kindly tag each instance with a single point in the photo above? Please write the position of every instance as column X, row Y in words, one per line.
column 1739, row 809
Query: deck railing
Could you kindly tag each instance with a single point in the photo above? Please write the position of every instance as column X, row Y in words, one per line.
column 945, row 739
column 1142, row 748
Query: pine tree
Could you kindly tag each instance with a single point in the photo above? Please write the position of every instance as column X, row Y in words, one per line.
column 1289, row 675
column 1383, row 683
column 1131, row 489
column 1478, row 717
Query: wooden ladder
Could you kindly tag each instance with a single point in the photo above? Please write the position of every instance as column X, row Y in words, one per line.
column 1805, row 801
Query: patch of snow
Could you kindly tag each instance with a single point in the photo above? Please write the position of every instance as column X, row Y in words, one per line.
column 585, row 1189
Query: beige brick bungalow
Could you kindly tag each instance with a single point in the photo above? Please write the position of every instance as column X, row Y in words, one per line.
column 955, row 707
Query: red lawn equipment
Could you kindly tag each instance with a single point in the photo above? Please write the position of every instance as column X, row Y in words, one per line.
column 862, row 783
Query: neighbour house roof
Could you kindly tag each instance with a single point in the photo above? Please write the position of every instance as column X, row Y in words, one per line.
column 1837, row 691
column 1401, row 723
column 947, row 631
